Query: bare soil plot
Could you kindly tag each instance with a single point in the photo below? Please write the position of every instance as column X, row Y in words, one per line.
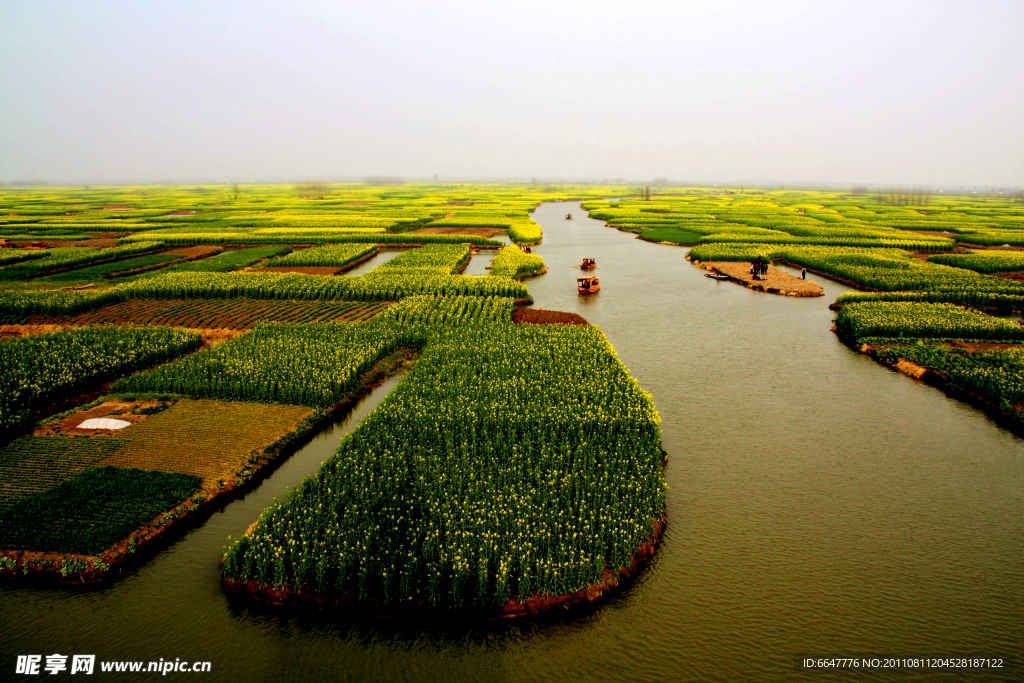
column 234, row 314
column 208, row 439
column 774, row 282
column 538, row 316
column 195, row 252
column 128, row 411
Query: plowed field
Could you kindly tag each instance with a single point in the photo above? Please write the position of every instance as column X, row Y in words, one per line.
column 239, row 314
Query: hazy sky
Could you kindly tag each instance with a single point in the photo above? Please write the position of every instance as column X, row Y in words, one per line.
column 893, row 92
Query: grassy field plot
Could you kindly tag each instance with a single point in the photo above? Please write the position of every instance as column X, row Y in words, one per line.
column 920, row 320
column 219, row 436
column 225, row 262
column 328, row 255
column 514, row 462
column 315, row 364
column 39, row 370
column 33, row 464
column 89, row 513
column 984, row 261
column 109, row 270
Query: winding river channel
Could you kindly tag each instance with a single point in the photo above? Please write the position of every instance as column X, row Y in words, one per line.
column 819, row 505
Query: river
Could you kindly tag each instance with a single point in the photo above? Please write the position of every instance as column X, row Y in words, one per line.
column 819, row 505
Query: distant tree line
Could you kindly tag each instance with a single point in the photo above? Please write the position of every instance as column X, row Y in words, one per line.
column 900, row 196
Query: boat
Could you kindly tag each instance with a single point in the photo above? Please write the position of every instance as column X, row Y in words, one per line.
column 568, row 216
column 587, row 285
column 588, row 264
column 717, row 276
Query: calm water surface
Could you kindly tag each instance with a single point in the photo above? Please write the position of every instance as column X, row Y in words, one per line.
column 820, row 504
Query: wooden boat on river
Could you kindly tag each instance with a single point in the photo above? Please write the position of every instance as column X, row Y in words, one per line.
column 587, row 285
column 588, row 264
column 717, row 276
column 568, row 216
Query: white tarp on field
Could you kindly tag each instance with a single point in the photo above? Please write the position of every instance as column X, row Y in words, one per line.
column 103, row 423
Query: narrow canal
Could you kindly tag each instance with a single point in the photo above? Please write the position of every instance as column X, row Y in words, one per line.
column 819, row 505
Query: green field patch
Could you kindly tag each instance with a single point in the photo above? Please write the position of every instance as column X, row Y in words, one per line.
column 224, row 262
column 107, row 270
column 33, row 464
column 327, row 255
column 220, row 437
column 996, row 376
column 983, row 261
column 314, row 364
column 511, row 462
column 92, row 511
column 39, row 370
column 920, row 320
column 514, row 262
column 670, row 234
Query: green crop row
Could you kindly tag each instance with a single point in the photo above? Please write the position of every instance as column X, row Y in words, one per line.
column 960, row 297
column 382, row 286
column 997, row 376
column 223, row 262
column 308, row 237
column 513, row 262
column 78, row 257
column 439, row 259
column 88, row 514
column 39, row 370
column 983, row 261
column 314, row 364
column 916, row 320
column 328, row 255
column 113, row 268
column 523, row 233
column 910, row 245
column 9, row 257
column 512, row 462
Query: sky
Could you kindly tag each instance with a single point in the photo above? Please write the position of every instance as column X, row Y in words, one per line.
column 891, row 93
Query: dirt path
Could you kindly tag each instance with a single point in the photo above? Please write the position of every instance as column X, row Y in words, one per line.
column 774, row 282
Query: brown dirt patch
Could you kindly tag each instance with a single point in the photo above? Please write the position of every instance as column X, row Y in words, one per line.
column 12, row 331
column 217, row 314
column 179, row 213
column 118, row 410
column 195, row 252
column 980, row 346
column 478, row 232
column 100, row 243
column 775, row 281
column 538, row 316
column 934, row 233
column 1017, row 277
column 306, row 270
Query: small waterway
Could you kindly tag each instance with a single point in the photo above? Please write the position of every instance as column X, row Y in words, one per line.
column 378, row 259
column 819, row 505
column 481, row 263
